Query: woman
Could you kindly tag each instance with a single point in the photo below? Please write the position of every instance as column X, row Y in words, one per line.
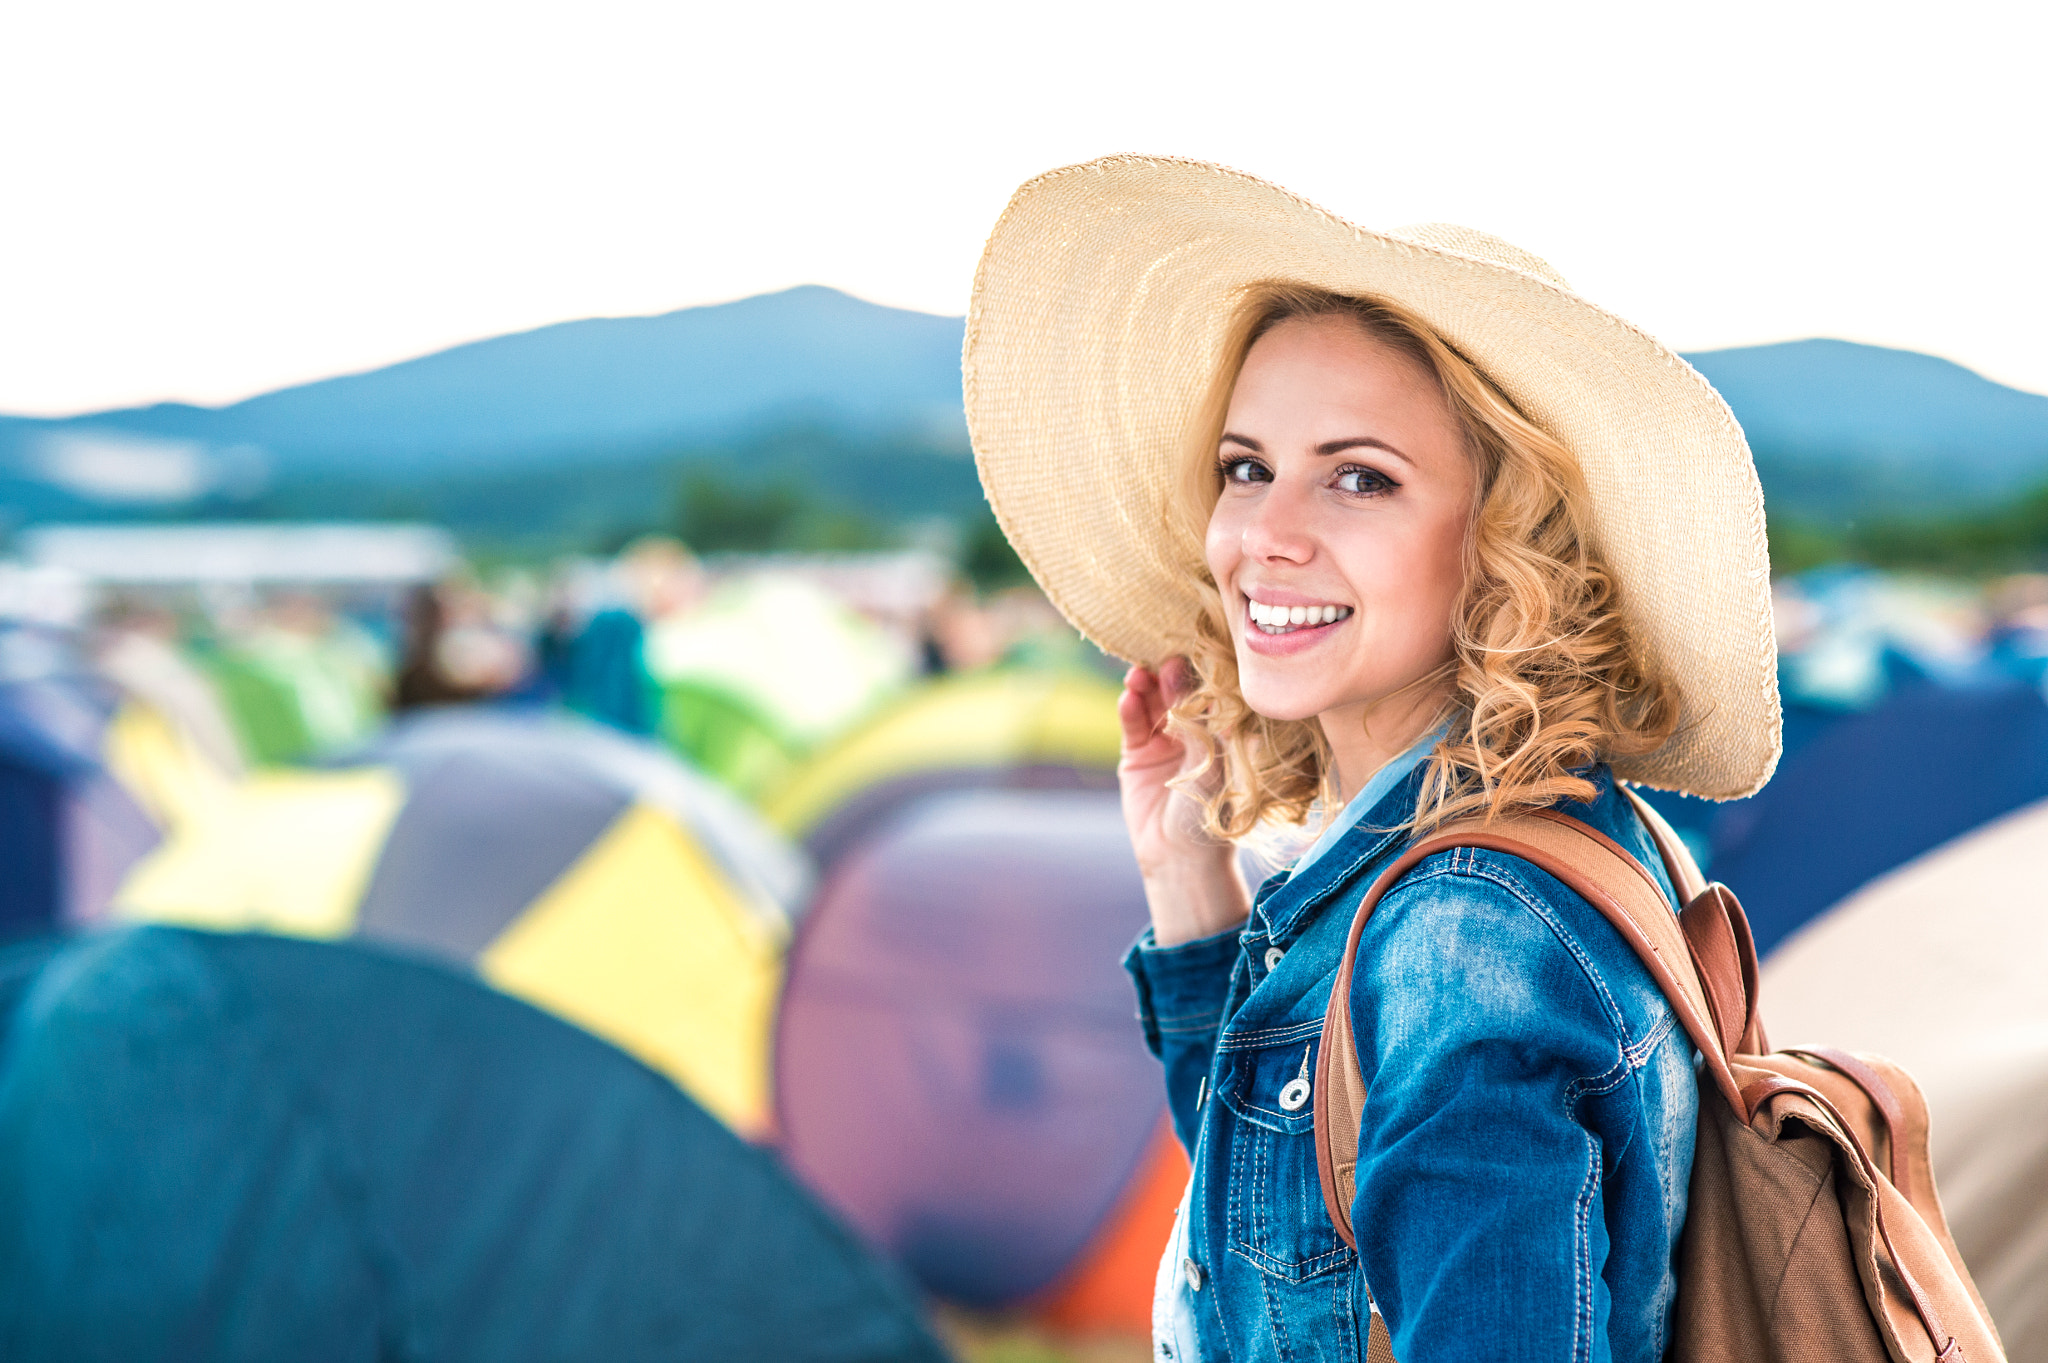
column 1399, row 531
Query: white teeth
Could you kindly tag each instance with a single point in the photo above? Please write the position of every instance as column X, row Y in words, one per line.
column 1281, row 618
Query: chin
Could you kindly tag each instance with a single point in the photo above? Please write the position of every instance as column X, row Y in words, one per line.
column 1280, row 702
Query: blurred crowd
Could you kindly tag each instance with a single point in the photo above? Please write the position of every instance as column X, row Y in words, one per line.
column 743, row 665
column 746, row 664
column 1848, row 636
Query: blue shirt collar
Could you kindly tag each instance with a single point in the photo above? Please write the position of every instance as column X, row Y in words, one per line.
column 1374, row 790
column 1356, row 839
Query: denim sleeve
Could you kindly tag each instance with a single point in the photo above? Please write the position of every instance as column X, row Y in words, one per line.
column 1181, row 993
column 1480, row 1223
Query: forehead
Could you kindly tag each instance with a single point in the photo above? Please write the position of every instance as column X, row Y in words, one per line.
column 1330, row 366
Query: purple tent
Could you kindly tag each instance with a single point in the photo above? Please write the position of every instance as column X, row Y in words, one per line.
column 958, row 1070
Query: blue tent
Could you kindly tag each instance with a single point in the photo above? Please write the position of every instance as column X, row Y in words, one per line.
column 68, row 831
column 243, row 1147
column 1874, row 790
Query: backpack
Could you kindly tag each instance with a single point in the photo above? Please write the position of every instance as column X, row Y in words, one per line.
column 1813, row 1231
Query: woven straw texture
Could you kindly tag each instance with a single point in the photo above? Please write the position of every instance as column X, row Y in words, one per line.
column 1098, row 318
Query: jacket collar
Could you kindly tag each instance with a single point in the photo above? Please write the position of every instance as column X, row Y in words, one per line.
column 1286, row 905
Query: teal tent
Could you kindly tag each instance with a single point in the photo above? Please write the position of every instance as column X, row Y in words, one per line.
column 245, row 1147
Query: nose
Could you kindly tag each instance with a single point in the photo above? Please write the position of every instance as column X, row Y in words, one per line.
column 1277, row 529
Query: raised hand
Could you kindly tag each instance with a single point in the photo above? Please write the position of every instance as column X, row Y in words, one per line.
column 1191, row 880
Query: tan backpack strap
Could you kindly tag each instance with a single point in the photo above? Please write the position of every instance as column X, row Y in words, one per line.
column 1905, row 1129
column 1717, row 932
column 1591, row 864
column 1685, row 873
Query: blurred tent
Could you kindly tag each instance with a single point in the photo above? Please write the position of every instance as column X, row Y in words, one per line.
column 1003, row 727
column 957, row 1069
column 244, row 1147
column 1853, row 641
column 298, row 688
column 574, row 867
column 141, row 656
column 809, row 665
column 69, row 831
column 1939, row 966
column 237, row 554
column 726, row 736
column 1926, row 764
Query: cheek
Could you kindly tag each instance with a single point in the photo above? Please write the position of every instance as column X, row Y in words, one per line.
column 1220, row 546
column 1412, row 582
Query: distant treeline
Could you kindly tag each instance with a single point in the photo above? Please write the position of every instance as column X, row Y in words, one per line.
column 2012, row 537
column 797, row 486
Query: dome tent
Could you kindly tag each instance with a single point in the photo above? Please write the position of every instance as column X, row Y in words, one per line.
column 1937, row 965
column 957, row 1068
column 1926, row 764
column 574, row 867
column 69, row 831
column 242, row 1147
column 1005, row 727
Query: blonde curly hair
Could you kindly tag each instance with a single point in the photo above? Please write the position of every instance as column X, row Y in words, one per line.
column 1545, row 676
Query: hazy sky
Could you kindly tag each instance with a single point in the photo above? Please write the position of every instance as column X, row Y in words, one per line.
column 203, row 200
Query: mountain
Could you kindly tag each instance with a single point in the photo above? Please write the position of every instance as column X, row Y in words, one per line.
column 594, row 422
column 1841, row 429
column 564, row 422
column 604, row 383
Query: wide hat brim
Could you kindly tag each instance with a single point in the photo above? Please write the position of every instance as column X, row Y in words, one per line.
column 1099, row 317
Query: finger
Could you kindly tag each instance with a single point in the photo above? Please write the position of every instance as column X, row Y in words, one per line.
column 1176, row 680
column 1137, row 716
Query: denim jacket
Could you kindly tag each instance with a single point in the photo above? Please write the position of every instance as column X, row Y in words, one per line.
column 1528, row 1129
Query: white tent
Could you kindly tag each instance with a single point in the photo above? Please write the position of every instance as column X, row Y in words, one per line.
column 1942, row 965
column 244, row 552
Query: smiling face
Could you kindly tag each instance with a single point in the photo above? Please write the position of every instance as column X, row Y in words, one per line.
column 1338, row 536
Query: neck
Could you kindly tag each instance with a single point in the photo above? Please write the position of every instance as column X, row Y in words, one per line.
column 1366, row 736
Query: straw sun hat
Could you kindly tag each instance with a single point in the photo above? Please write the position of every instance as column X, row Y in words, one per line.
column 1098, row 320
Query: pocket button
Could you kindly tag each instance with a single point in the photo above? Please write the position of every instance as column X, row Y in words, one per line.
column 1294, row 1094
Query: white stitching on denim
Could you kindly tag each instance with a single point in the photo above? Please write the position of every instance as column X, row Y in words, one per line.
column 1301, row 1272
column 1341, row 881
column 1582, row 1265
column 1639, row 1054
column 1269, row 1036
column 1629, row 1065
column 1278, row 1319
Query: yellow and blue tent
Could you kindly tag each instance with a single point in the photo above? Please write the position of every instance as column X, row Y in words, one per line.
column 1017, row 728
column 572, row 866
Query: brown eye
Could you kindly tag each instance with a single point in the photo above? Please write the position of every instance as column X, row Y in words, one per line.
column 1363, row 482
column 1245, row 471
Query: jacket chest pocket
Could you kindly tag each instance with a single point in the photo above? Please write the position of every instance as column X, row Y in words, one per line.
column 1275, row 1216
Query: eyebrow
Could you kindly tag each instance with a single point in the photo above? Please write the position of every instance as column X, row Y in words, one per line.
column 1328, row 447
